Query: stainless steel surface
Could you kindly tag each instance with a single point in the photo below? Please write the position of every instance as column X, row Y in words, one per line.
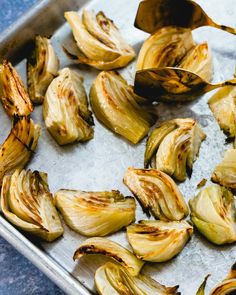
column 100, row 164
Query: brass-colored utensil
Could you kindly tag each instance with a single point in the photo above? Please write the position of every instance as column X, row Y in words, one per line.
column 173, row 84
column 154, row 14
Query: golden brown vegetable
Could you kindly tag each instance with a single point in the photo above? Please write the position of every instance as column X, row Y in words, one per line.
column 114, row 279
column 95, row 213
column 111, row 249
column 19, row 146
column 225, row 171
column 226, row 287
column 199, row 61
column 157, row 193
column 13, row 94
column 158, row 241
column 156, row 137
column 65, row 109
column 175, row 145
column 155, row 14
column 222, row 105
column 201, row 289
column 42, row 67
column 170, row 47
column 99, row 41
column 202, row 183
column 165, row 48
column 116, row 106
column 213, row 213
column 191, row 79
column 27, row 203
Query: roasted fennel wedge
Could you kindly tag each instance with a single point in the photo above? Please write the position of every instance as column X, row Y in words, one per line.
column 223, row 107
column 114, row 279
column 95, row 213
column 19, row 146
column 110, row 249
column 199, row 61
column 225, row 172
column 117, row 107
column 99, row 41
column 165, row 48
column 13, row 94
column 65, row 109
column 171, row 67
column 42, row 67
column 158, row 241
column 27, row 203
column 174, row 146
column 157, row 193
column 226, row 287
column 213, row 213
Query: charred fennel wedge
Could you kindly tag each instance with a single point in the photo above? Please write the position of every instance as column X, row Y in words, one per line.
column 116, row 106
column 199, row 61
column 155, row 14
column 13, row 94
column 99, row 41
column 181, row 75
column 95, row 213
column 114, row 279
column 65, row 109
column 157, row 193
column 171, row 67
column 223, row 107
column 27, row 203
column 213, row 213
column 110, row 249
column 19, row 146
column 42, row 67
column 225, row 171
column 158, row 241
column 175, row 145
column 226, row 287
column 166, row 47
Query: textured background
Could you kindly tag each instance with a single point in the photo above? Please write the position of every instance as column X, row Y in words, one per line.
column 18, row 276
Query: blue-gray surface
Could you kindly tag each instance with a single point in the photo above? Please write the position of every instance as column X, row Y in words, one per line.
column 17, row 275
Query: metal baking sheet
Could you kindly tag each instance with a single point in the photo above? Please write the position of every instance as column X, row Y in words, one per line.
column 100, row 164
